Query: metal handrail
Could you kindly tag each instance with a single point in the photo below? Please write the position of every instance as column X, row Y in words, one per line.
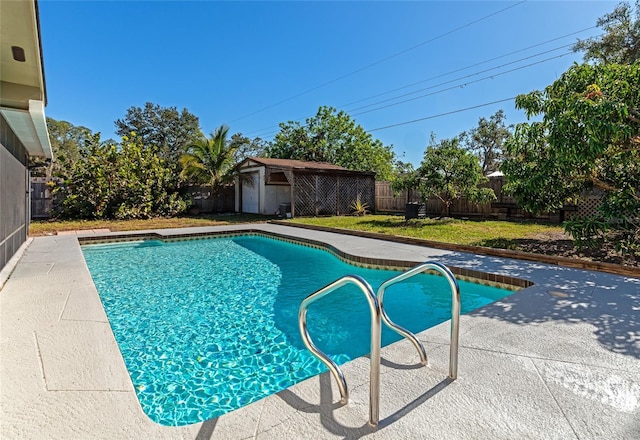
column 455, row 312
column 374, row 375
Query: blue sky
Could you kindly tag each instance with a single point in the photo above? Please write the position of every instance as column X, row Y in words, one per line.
column 227, row 61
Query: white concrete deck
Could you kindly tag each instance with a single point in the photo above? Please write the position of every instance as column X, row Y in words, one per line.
column 538, row 365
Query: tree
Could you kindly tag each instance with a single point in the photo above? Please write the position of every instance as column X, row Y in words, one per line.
column 245, row 147
column 66, row 141
column 448, row 172
column 162, row 128
column 333, row 137
column 486, row 141
column 620, row 42
column 119, row 181
column 210, row 161
column 589, row 137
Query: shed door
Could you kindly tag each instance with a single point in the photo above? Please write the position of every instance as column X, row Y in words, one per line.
column 251, row 195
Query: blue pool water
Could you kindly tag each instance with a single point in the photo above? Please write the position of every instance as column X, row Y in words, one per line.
column 207, row 326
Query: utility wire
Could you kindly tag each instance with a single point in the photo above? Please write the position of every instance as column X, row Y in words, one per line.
column 442, row 114
column 460, row 110
column 470, row 66
column 375, row 63
column 272, row 127
column 413, row 121
column 465, row 77
column 456, row 86
column 462, row 85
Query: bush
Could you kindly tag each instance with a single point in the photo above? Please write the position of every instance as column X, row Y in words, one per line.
column 126, row 181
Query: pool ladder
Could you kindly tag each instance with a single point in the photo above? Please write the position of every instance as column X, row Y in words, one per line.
column 378, row 313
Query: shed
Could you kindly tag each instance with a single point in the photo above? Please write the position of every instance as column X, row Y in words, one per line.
column 310, row 188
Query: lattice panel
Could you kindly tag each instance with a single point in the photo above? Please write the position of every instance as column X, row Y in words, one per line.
column 348, row 194
column 326, row 195
column 367, row 189
column 588, row 205
column 305, row 194
column 321, row 194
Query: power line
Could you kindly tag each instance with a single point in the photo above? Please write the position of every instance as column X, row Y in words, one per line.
column 456, row 86
column 470, row 66
column 271, row 128
column 442, row 114
column 466, row 76
column 270, row 134
column 462, row 85
column 375, row 63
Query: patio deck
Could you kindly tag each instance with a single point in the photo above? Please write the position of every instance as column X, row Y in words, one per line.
column 558, row 360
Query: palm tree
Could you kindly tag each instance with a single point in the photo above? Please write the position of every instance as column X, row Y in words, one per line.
column 210, row 161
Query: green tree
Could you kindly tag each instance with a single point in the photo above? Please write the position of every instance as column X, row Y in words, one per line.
column 66, row 141
column 620, row 42
column 447, row 172
column 90, row 182
column 245, row 147
column 119, row 181
column 486, row 141
column 589, row 137
column 164, row 129
column 210, row 160
column 333, row 137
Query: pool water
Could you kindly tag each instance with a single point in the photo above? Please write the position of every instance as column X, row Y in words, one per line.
column 208, row 326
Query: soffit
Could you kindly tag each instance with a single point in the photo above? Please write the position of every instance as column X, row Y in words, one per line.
column 19, row 27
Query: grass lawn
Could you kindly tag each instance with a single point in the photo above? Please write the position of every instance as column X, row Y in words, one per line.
column 491, row 233
column 524, row 236
column 50, row 227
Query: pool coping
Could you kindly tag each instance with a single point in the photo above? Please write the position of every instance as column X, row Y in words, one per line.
column 551, row 361
column 491, row 279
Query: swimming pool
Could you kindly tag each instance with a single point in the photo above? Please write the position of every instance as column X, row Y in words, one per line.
column 207, row 326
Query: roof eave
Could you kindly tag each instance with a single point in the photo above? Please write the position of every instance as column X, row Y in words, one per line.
column 30, row 126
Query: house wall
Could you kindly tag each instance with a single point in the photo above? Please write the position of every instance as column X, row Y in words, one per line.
column 274, row 196
column 14, row 193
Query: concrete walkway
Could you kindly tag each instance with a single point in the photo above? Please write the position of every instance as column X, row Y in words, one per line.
column 558, row 360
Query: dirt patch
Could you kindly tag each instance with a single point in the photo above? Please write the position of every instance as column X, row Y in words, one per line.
column 561, row 245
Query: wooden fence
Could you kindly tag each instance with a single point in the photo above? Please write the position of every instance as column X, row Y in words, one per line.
column 201, row 196
column 502, row 208
column 385, row 201
column 203, row 199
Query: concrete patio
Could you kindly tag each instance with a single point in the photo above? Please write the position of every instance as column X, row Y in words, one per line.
column 558, row 360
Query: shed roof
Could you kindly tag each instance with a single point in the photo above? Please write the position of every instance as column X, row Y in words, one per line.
column 293, row 164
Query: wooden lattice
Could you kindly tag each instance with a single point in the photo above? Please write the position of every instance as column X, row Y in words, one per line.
column 326, row 194
column 588, row 205
column 348, row 194
column 305, row 194
column 367, row 191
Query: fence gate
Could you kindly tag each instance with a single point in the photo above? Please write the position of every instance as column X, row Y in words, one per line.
column 41, row 198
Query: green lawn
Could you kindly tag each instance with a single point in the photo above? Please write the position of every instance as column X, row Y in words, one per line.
column 526, row 236
column 49, row 227
column 492, row 233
